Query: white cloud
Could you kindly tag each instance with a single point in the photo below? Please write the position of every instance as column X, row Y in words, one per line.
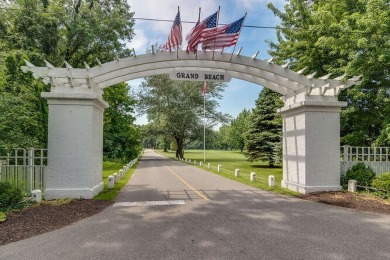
column 234, row 88
column 167, row 9
column 139, row 41
column 151, row 31
column 135, row 83
column 254, row 3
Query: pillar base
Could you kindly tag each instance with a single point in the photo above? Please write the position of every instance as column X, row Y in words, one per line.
column 307, row 189
column 81, row 193
column 311, row 146
column 75, row 145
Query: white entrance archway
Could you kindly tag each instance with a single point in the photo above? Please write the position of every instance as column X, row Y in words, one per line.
column 311, row 116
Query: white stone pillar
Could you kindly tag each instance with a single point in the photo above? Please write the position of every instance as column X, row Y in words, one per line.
column 75, row 145
column 311, row 145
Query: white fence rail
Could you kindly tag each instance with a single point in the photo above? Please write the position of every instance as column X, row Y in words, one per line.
column 24, row 168
column 378, row 158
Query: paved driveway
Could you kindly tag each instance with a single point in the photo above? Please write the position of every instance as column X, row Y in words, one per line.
column 209, row 217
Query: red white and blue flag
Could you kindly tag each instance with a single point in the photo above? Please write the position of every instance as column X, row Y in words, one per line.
column 204, row 88
column 195, row 37
column 175, row 38
column 222, row 37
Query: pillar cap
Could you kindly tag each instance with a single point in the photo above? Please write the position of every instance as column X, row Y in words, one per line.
column 313, row 106
column 75, row 96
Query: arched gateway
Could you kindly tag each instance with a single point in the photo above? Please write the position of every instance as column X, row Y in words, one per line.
column 311, row 116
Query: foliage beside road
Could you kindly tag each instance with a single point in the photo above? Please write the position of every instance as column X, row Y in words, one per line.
column 55, row 31
column 342, row 37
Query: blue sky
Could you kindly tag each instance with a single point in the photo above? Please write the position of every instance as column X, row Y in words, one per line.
column 238, row 94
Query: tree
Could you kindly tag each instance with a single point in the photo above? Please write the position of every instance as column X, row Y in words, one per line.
column 58, row 30
column 121, row 138
column 239, row 127
column 225, row 137
column 22, row 110
column 75, row 31
column 178, row 106
column 265, row 129
column 346, row 36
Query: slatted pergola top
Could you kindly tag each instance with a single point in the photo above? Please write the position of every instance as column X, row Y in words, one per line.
column 277, row 78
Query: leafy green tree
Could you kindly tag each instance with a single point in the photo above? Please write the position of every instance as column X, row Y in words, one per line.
column 22, row 110
column 239, row 127
column 58, row 30
column 178, row 106
column 149, row 138
column 225, row 137
column 343, row 37
column 265, row 129
column 74, row 31
column 122, row 139
column 157, row 128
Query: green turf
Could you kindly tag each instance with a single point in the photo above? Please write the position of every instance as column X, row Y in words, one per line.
column 109, row 169
column 231, row 160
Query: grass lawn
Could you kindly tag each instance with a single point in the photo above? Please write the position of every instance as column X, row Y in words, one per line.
column 231, row 160
column 109, row 169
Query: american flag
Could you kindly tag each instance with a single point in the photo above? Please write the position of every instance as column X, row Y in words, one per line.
column 222, row 37
column 204, row 88
column 175, row 38
column 195, row 36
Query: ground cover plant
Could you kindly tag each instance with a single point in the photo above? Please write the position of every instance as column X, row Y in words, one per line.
column 231, row 160
column 382, row 183
column 10, row 196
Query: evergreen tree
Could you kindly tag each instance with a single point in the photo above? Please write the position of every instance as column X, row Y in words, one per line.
column 266, row 128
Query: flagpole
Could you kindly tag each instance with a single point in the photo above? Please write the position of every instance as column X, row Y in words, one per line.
column 196, row 51
column 219, row 10
column 177, row 47
column 204, row 127
column 239, row 33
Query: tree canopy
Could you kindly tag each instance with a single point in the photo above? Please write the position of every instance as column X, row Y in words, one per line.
column 177, row 107
column 343, row 37
column 60, row 30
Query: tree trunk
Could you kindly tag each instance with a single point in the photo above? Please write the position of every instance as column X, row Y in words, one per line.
column 179, row 150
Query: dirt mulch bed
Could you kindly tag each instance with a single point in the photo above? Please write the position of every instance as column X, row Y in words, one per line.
column 345, row 199
column 46, row 217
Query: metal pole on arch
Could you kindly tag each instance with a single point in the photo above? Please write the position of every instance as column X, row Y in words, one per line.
column 219, row 10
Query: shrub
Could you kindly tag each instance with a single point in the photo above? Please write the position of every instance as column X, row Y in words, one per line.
column 109, row 164
column 382, row 183
column 2, row 217
column 10, row 196
column 359, row 172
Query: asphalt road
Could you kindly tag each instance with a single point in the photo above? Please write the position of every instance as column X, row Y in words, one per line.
column 209, row 217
